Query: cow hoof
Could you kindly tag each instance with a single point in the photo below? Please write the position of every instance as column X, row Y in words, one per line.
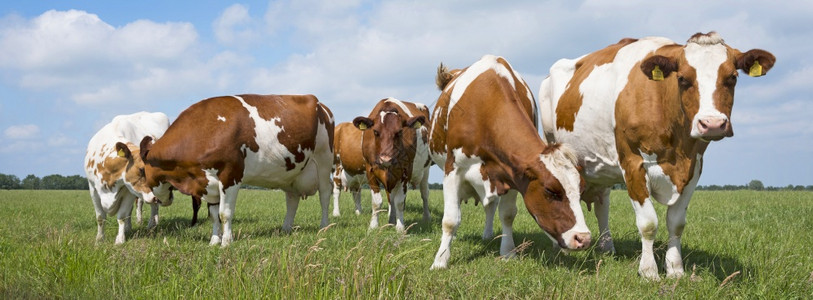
column 358, row 212
column 119, row 240
column 438, row 266
column 214, row 241
column 649, row 274
column 336, row 214
column 675, row 274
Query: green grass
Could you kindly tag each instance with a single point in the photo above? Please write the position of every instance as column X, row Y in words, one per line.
column 47, row 250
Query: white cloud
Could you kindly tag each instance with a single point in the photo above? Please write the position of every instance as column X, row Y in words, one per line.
column 235, row 27
column 27, row 131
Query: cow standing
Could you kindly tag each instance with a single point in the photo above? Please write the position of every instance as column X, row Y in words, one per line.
column 484, row 136
column 272, row 141
column 395, row 150
column 349, row 165
column 115, row 170
column 642, row 112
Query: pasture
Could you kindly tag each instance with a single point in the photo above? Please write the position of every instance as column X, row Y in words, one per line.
column 737, row 244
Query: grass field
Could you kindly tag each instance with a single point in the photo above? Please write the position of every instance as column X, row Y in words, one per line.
column 737, row 244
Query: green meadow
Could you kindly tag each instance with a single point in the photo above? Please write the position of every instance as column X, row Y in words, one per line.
column 737, row 244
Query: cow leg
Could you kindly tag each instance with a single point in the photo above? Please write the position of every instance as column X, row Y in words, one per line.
column 491, row 209
column 647, row 221
column 376, row 204
column 451, row 219
column 195, row 208
column 123, row 217
column 214, row 215
column 139, row 206
column 153, row 215
column 508, row 211
column 337, row 191
column 101, row 215
column 357, row 200
column 291, row 204
column 425, row 196
column 602, row 211
column 390, row 210
column 675, row 222
column 397, row 204
column 228, row 200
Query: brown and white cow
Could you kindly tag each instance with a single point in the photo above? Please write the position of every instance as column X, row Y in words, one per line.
column 115, row 171
column 349, row 166
column 484, row 135
column 395, row 148
column 218, row 144
column 642, row 112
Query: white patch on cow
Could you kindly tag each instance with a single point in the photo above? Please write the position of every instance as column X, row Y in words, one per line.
column 267, row 167
column 658, row 183
column 706, row 60
column 462, row 82
column 562, row 165
column 221, row 118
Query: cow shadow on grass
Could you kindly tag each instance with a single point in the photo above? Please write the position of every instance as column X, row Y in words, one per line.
column 538, row 247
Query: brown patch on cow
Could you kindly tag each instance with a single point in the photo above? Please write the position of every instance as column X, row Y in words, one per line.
column 347, row 147
column 270, row 107
column 571, row 100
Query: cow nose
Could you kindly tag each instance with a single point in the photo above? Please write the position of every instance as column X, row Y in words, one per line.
column 714, row 128
column 581, row 240
column 385, row 160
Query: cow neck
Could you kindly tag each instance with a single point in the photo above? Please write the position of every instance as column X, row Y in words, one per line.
column 514, row 151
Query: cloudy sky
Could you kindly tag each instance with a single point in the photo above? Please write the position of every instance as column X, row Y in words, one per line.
column 68, row 67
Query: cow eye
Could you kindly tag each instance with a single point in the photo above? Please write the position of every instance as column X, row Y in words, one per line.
column 553, row 195
column 731, row 80
column 376, row 133
column 684, row 83
column 398, row 134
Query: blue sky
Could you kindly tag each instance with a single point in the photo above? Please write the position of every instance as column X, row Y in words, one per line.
column 68, row 67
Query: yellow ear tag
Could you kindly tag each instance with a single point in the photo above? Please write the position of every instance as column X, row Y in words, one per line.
column 756, row 69
column 657, row 74
column 121, row 153
column 362, row 126
column 417, row 125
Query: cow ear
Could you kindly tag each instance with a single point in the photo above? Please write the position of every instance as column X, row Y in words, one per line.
column 123, row 151
column 416, row 122
column 145, row 146
column 755, row 62
column 658, row 67
column 362, row 123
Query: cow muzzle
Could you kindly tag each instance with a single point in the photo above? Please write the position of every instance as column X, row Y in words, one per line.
column 714, row 129
column 575, row 240
column 386, row 161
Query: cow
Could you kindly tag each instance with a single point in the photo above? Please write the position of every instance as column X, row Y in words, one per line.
column 394, row 145
column 642, row 112
column 348, row 164
column 115, row 170
column 484, row 136
column 216, row 145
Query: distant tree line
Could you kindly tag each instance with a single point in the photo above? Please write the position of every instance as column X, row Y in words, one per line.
column 754, row 185
column 76, row 182
column 50, row 182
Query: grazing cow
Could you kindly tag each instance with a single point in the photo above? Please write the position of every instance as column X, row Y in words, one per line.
column 642, row 112
column 272, row 141
column 348, row 163
column 115, row 171
column 396, row 153
column 484, row 135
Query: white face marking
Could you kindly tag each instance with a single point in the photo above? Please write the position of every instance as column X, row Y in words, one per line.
column 706, row 60
column 384, row 114
column 561, row 163
column 221, row 118
column 401, row 105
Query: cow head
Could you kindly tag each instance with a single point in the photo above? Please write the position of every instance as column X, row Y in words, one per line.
column 389, row 136
column 703, row 74
column 553, row 197
column 160, row 188
column 134, row 176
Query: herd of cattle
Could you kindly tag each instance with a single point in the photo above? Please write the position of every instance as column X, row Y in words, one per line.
column 639, row 112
